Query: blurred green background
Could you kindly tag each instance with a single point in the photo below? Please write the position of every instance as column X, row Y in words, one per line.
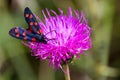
column 102, row 62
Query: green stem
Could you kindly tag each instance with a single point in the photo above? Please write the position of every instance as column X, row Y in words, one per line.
column 66, row 72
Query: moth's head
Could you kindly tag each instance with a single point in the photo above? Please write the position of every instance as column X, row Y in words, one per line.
column 41, row 38
column 44, row 39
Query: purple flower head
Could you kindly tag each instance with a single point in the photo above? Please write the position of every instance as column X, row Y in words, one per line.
column 68, row 36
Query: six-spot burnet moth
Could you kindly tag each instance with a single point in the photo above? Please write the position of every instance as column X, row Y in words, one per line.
column 33, row 33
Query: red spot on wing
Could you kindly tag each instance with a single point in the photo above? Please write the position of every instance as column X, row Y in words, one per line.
column 16, row 30
column 17, row 35
column 39, row 31
column 31, row 23
column 31, row 16
column 24, row 33
column 33, row 39
column 25, row 38
column 26, row 15
column 35, row 23
column 30, row 30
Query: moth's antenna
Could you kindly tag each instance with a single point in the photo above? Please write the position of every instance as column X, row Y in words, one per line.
column 50, row 32
column 51, row 38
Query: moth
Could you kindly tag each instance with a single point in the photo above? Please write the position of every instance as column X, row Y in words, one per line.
column 33, row 33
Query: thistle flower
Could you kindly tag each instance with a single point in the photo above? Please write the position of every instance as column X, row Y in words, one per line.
column 68, row 36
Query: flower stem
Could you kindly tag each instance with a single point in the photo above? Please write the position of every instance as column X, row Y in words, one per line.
column 66, row 72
